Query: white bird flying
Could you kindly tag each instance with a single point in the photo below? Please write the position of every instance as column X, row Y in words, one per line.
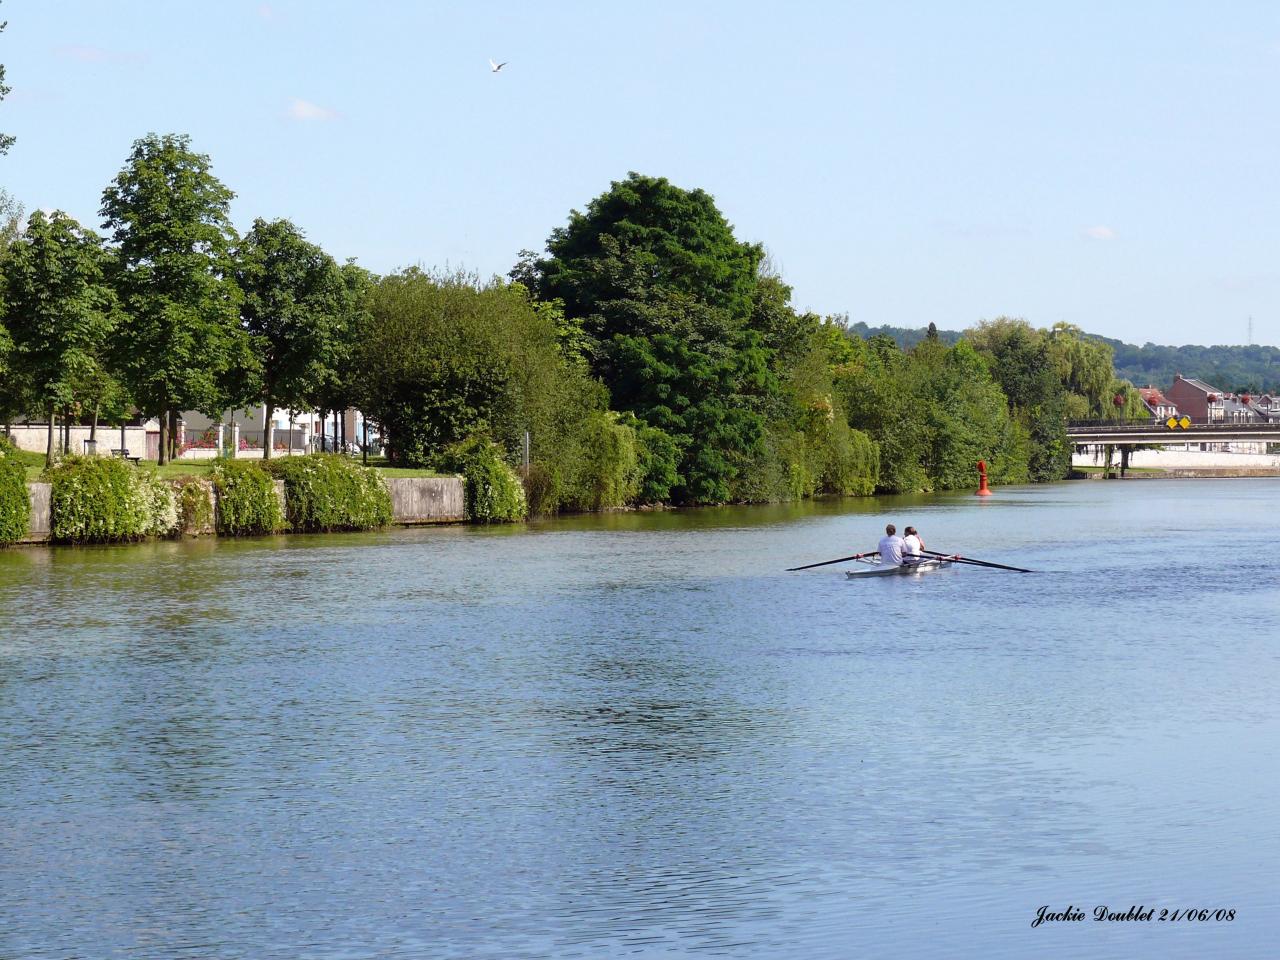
column 496, row 66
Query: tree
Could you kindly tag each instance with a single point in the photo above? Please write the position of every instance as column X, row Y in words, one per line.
column 294, row 300
column 443, row 357
column 181, row 346
column 11, row 211
column 59, row 312
column 675, row 319
column 6, row 141
column 1021, row 362
column 641, row 236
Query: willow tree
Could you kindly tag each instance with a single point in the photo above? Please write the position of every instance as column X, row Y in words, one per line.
column 181, row 344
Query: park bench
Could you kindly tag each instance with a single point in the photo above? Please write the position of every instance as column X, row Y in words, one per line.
column 124, row 455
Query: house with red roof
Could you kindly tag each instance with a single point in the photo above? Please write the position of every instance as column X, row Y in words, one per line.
column 1161, row 407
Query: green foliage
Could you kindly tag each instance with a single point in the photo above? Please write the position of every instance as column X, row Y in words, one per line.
column 658, row 457
column 15, row 504
column 59, row 313
column 247, row 502
column 610, row 472
column 644, row 232
column 1021, row 361
column 106, row 499
column 327, row 491
column 294, row 300
column 494, row 493
column 195, row 505
column 695, row 399
column 181, row 344
column 445, row 358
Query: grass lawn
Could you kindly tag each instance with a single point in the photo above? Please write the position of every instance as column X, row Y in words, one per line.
column 34, row 464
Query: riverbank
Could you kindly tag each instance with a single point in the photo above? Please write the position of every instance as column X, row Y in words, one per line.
column 1183, row 473
column 415, row 501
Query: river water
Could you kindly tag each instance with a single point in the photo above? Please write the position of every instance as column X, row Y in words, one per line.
column 635, row 735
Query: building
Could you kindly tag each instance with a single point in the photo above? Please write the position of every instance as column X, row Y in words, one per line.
column 1197, row 400
column 1161, row 407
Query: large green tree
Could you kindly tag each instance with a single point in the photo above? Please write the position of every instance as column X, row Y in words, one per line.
column 663, row 295
column 295, row 297
column 59, row 311
column 182, row 346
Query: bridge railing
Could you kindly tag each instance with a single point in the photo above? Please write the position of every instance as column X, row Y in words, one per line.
column 1148, row 425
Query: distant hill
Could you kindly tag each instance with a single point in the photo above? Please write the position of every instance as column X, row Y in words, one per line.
column 906, row 336
column 1254, row 368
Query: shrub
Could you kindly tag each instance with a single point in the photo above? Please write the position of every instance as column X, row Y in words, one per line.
column 541, row 489
column 658, row 458
column 195, row 506
column 327, row 491
column 15, row 505
column 162, row 507
column 608, row 473
column 493, row 491
column 247, row 502
column 99, row 500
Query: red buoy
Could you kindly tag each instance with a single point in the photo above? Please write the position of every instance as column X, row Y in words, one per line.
column 983, row 489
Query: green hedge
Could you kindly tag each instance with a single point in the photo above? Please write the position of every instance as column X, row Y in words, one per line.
column 195, row 505
column 15, row 505
column 493, row 490
column 247, row 502
column 327, row 491
column 106, row 499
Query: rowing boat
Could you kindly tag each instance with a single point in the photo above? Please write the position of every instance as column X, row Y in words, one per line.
column 895, row 570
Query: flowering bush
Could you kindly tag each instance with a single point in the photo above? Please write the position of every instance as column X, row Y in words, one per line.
column 247, row 502
column 106, row 499
column 326, row 491
column 15, row 505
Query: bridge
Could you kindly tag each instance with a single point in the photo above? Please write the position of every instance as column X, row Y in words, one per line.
column 1186, row 430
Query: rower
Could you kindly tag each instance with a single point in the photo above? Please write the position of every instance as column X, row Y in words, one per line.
column 890, row 546
column 912, row 545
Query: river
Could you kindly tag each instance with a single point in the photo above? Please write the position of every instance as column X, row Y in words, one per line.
column 635, row 735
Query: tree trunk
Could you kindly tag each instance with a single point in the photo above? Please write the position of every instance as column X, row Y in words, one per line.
column 364, row 447
column 163, row 457
column 93, row 430
column 268, row 434
column 291, row 431
column 66, row 432
column 175, row 441
column 48, row 450
column 335, row 430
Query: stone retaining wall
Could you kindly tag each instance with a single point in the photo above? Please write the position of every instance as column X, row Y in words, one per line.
column 40, row 525
column 426, row 499
column 414, row 500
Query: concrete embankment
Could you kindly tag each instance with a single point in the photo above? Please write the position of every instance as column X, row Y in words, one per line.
column 414, row 500
column 1199, row 473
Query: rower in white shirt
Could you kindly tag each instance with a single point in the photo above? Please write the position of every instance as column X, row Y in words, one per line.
column 912, row 545
column 890, row 546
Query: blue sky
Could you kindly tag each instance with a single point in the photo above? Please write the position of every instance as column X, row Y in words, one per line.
column 1111, row 165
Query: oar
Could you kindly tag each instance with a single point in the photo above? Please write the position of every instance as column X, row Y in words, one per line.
column 810, row 566
column 980, row 563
